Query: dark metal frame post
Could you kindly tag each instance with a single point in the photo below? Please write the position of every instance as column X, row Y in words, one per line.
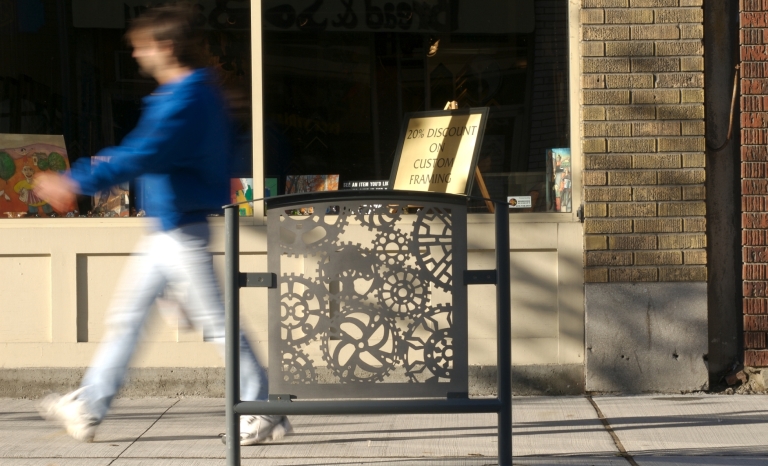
column 504, row 325
column 232, row 330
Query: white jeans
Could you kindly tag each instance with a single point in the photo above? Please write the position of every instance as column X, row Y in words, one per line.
column 179, row 258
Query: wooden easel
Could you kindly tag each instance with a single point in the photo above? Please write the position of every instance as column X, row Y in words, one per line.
column 453, row 105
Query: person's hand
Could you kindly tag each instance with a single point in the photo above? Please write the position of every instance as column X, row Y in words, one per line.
column 57, row 190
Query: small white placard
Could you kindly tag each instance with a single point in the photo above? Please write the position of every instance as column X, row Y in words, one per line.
column 519, row 202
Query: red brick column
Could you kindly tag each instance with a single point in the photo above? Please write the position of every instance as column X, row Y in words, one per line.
column 753, row 40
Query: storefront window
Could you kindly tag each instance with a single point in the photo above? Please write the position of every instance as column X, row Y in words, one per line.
column 339, row 76
column 66, row 70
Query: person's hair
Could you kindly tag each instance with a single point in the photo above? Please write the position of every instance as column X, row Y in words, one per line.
column 177, row 24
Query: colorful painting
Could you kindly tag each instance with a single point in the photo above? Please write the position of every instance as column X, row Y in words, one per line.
column 22, row 156
column 113, row 202
column 560, row 176
column 270, row 187
column 241, row 190
column 311, row 183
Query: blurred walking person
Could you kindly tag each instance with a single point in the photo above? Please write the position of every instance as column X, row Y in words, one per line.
column 180, row 149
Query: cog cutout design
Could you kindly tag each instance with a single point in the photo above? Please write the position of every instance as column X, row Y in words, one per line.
column 365, row 345
column 382, row 217
column 404, row 293
column 391, row 248
column 353, row 268
column 297, row 367
column 432, row 245
column 304, row 235
column 303, row 310
column 428, row 353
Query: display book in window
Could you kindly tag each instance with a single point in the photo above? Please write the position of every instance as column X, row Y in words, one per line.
column 309, row 184
column 559, row 178
column 22, row 156
column 113, row 202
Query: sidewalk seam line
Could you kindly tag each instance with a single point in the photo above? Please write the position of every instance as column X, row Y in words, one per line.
column 145, row 431
column 607, row 425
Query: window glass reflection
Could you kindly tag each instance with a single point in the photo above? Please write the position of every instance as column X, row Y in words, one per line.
column 339, row 75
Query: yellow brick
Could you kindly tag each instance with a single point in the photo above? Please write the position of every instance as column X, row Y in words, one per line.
column 691, row 96
column 689, row 241
column 614, row 129
column 658, row 258
column 628, row 16
column 625, row 145
column 690, row 176
column 683, row 274
column 593, row 113
column 593, row 81
column 695, row 224
column 680, row 48
column 631, row 178
column 694, row 193
column 607, row 162
column 629, row 81
column 629, row 49
column 596, row 275
column 692, row 64
column 684, row 144
column 655, row 32
column 605, row 3
column 679, row 15
column 632, row 242
column 634, row 274
column 595, row 178
column 631, row 112
column 698, row 257
column 667, row 225
column 605, row 65
column 692, row 128
column 660, row 193
column 595, row 209
column 595, row 243
column 592, row 16
column 691, row 31
column 657, row 96
column 694, row 160
column 682, row 209
column 610, row 258
column 654, row 65
column 656, row 161
column 603, row 97
column 593, row 145
column 644, row 209
column 607, row 226
column 615, row 194
column 605, row 33
column 656, row 128
column 681, row 112
column 593, row 49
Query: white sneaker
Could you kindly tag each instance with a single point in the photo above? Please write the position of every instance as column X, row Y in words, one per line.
column 72, row 412
column 258, row 429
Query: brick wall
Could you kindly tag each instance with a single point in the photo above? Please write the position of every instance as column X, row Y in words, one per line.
column 643, row 140
column 754, row 170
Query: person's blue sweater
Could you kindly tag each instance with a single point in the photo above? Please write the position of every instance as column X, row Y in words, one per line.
column 180, row 149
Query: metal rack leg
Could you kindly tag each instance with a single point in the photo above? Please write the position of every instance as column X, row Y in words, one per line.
column 504, row 344
column 232, row 330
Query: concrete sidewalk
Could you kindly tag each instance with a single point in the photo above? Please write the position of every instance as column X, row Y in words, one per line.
column 657, row 430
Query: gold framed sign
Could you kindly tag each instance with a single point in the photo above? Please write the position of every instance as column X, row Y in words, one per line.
column 438, row 151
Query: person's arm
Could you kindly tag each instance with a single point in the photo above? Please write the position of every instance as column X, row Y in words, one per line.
column 154, row 146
